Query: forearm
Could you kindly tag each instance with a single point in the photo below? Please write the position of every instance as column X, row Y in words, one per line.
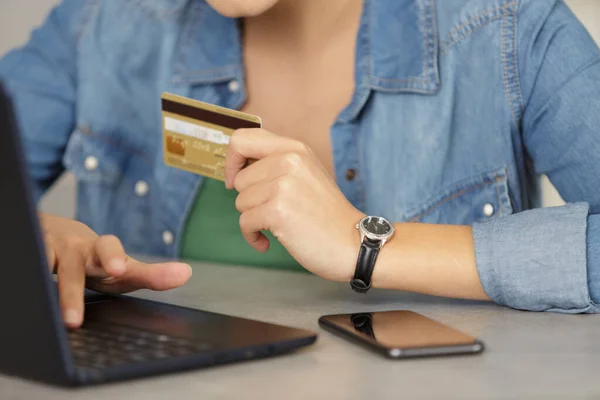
column 431, row 259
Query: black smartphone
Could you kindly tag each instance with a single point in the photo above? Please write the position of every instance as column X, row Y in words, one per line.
column 401, row 334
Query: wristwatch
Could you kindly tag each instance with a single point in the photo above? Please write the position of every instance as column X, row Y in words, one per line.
column 374, row 233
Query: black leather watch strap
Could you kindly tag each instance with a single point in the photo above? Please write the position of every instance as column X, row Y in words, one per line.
column 369, row 250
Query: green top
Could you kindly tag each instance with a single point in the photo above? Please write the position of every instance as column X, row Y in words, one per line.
column 213, row 234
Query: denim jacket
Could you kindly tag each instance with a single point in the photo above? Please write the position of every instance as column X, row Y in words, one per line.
column 459, row 106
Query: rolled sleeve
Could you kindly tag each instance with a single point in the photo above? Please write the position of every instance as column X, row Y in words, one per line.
column 536, row 260
column 593, row 256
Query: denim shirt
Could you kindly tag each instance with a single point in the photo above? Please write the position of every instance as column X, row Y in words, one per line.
column 459, row 106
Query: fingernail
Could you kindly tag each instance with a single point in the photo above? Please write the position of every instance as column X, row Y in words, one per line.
column 117, row 266
column 71, row 317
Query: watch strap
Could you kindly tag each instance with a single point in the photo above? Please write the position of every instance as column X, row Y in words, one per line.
column 369, row 250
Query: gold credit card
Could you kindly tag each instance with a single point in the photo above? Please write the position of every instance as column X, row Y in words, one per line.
column 196, row 134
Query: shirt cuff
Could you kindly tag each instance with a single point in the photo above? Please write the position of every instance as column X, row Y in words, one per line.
column 536, row 260
column 593, row 256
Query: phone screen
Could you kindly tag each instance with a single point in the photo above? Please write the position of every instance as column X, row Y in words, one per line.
column 400, row 330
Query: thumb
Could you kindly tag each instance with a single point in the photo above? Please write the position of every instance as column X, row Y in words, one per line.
column 161, row 276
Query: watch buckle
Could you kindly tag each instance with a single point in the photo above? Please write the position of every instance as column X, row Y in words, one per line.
column 359, row 286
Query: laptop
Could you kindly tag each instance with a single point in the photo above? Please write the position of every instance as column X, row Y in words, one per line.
column 122, row 337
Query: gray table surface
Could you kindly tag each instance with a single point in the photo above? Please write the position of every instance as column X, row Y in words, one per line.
column 528, row 355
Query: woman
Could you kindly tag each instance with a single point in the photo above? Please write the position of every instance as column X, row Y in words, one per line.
column 438, row 112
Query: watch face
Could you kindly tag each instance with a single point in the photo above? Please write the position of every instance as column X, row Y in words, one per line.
column 377, row 226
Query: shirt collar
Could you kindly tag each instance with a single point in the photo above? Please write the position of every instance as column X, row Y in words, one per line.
column 209, row 48
column 397, row 47
column 401, row 45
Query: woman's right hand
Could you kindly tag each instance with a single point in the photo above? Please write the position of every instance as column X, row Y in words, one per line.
column 81, row 258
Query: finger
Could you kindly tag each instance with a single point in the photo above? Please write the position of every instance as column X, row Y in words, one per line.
column 71, row 284
column 49, row 245
column 252, row 222
column 139, row 275
column 270, row 168
column 246, row 144
column 110, row 255
column 256, row 195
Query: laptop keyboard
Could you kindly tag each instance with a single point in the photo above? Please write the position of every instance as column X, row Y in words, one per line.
column 100, row 347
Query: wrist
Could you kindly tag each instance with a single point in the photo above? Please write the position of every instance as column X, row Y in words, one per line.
column 349, row 250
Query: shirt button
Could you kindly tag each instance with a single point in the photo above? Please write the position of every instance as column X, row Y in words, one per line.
column 234, row 86
column 91, row 163
column 350, row 174
column 141, row 188
column 167, row 238
column 488, row 210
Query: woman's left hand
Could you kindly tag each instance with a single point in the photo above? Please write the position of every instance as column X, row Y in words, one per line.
column 289, row 193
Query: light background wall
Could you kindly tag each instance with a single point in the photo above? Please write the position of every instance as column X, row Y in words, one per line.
column 18, row 17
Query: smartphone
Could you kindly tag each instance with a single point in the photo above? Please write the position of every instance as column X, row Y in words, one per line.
column 401, row 334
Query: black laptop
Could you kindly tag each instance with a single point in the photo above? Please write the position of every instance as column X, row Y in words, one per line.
column 122, row 337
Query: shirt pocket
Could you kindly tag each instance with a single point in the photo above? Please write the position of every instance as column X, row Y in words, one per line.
column 471, row 200
column 93, row 158
column 98, row 164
